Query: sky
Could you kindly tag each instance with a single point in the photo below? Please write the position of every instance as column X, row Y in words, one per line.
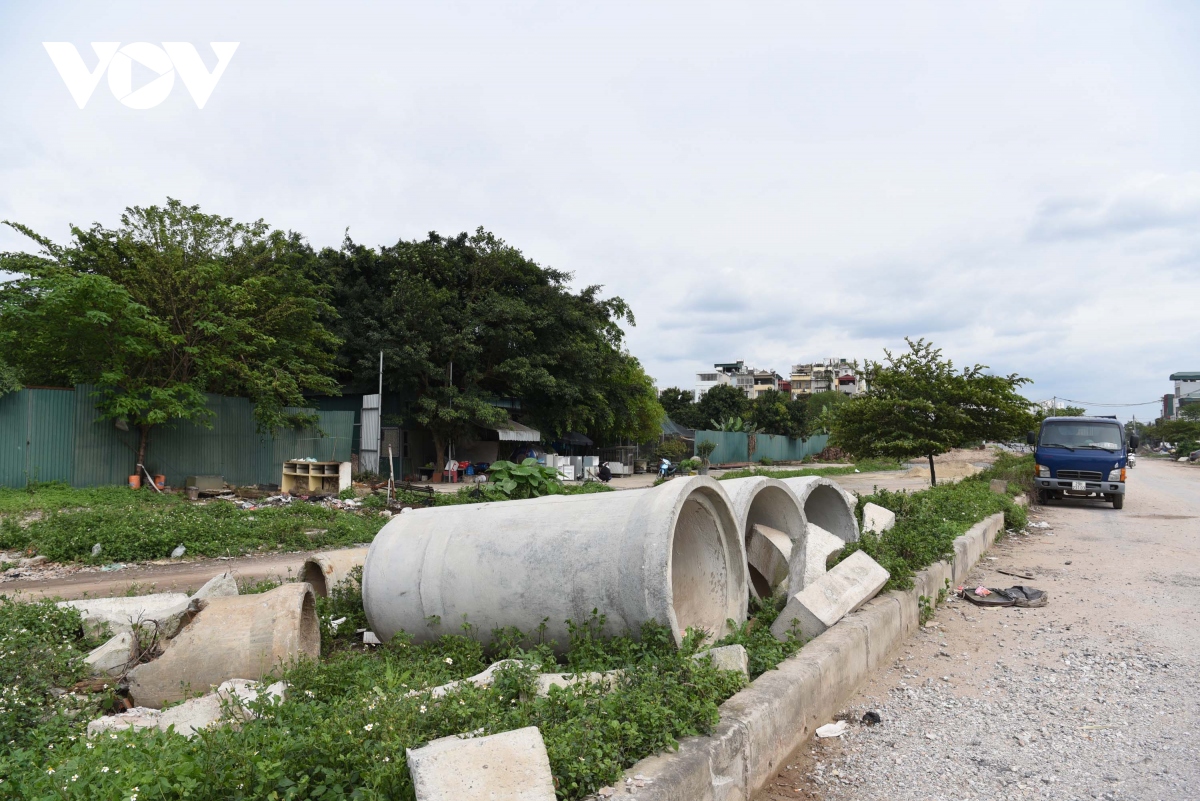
column 774, row 182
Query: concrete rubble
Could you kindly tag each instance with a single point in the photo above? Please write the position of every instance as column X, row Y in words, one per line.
column 233, row 636
column 511, row 766
column 728, row 657
column 123, row 614
column 819, row 546
column 851, row 583
column 191, row 716
column 876, row 519
column 111, row 658
column 772, row 522
column 544, row 680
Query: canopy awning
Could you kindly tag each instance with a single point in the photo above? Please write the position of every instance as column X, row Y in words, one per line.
column 512, row 431
column 574, row 438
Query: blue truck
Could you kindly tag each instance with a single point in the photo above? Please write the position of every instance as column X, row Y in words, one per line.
column 1081, row 457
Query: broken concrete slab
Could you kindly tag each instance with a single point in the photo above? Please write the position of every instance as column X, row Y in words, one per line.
column 545, row 681
column 328, row 569
column 998, row 485
column 728, row 657
column 483, row 679
column 113, row 657
column 768, row 552
column 877, row 519
column 235, row 636
column 511, row 766
column 850, row 584
column 122, row 614
column 819, row 545
column 221, row 586
column 228, row 702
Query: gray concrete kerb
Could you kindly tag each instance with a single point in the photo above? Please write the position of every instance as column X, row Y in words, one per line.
column 762, row 725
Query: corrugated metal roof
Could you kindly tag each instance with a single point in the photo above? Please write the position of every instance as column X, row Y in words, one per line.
column 1184, row 377
column 512, row 431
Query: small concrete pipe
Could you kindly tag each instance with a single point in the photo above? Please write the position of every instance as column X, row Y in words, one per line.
column 672, row 554
column 328, row 569
column 764, row 501
column 826, row 507
column 232, row 637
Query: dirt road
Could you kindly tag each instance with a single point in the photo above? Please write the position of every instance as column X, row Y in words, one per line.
column 1097, row 695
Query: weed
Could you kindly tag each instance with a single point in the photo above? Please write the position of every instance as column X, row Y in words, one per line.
column 925, row 610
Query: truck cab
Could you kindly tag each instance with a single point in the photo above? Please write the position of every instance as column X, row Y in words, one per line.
column 1081, row 457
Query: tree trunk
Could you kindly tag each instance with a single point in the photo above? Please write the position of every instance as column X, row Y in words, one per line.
column 439, row 462
column 932, row 472
column 143, row 446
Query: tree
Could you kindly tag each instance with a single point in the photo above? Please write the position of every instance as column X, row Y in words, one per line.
column 720, row 403
column 680, row 405
column 820, row 409
column 170, row 305
column 1066, row 411
column 919, row 405
column 774, row 412
column 467, row 323
column 1190, row 411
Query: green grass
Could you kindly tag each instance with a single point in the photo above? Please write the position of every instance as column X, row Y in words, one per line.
column 137, row 525
column 928, row 521
column 866, row 466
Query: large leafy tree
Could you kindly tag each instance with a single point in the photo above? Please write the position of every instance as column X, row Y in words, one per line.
column 774, row 412
column 721, row 403
column 680, row 405
column 918, row 404
column 468, row 323
column 171, row 304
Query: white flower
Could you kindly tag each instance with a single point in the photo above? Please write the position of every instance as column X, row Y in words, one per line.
column 449, row 661
column 368, row 727
column 49, row 770
column 75, row 777
column 104, row 769
column 387, row 759
column 422, row 709
column 310, row 693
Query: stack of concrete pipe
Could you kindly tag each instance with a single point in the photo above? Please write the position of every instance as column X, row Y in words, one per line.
column 673, row 554
column 790, row 527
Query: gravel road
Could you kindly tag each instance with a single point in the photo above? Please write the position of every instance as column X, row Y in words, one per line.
column 1095, row 696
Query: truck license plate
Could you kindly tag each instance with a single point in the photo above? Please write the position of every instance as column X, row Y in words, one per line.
column 1079, row 485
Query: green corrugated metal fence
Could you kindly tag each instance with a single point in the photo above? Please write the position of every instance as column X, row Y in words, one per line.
column 57, row 435
column 733, row 446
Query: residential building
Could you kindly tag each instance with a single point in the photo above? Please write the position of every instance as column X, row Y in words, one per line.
column 1187, row 392
column 828, row 375
column 706, row 381
column 763, row 381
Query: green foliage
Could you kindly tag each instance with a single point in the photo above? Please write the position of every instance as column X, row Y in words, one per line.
column 869, row 465
column 774, row 412
column 821, row 409
column 721, row 403
column 42, row 650
column 680, row 405
column 919, row 405
column 172, row 304
column 927, row 523
column 344, row 729
column 344, row 603
column 764, row 651
column 1190, row 411
column 766, row 461
column 468, row 320
column 672, row 448
column 1016, row 470
column 139, row 525
column 705, row 449
column 689, row 464
column 525, row 480
column 924, row 610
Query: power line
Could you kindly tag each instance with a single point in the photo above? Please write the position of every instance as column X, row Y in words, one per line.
column 1113, row 405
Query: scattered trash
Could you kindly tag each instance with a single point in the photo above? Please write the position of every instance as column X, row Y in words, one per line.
column 96, row 549
column 112, row 567
column 833, row 729
column 1018, row 575
column 179, row 551
column 871, row 717
column 369, row 638
column 333, row 624
column 1025, row 597
column 1039, row 524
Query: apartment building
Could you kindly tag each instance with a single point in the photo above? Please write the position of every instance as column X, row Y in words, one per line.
column 828, row 375
column 1187, row 392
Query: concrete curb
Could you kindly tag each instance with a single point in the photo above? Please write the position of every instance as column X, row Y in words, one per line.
column 764, row 723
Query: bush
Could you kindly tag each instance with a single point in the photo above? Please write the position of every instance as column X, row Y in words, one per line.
column 525, row 480
column 766, row 461
column 672, row 448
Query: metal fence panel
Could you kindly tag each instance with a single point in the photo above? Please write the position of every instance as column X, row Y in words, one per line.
column 51, row 449
column 733, row 446
column 14, row 433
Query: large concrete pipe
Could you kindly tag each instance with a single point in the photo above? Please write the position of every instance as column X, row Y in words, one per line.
column 774, row 527
column 671, row 554
column 328, row 569
column 831, row 524
column 233, row 637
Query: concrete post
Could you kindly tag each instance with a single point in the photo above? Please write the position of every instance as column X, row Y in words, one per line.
column 672, row 554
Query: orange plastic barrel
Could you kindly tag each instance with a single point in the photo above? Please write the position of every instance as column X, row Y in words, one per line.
column 135, row 482
column 160, row 481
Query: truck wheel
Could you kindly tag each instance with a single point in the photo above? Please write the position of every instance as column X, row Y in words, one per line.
column 1118, row 501
column 1041, row 497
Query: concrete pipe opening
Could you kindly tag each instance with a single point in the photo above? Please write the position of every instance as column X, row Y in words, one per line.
column 767, row 502
column 826, row 506
column 671, row 554
column 328, row 569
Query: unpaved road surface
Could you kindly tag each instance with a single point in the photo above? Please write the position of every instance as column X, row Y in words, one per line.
column 1095, row 696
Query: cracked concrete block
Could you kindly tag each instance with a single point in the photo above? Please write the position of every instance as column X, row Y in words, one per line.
column 228, row 702
column 877, row 519
column 608, row 678
column 111, row 658
column 998, row 485
column 483, row 679
column 728, row 657
column 122, row 614
column 220, row 586
column 850, row 584
column 511, row 766
column 819, row 545
column 768, row 551
column 236, row 636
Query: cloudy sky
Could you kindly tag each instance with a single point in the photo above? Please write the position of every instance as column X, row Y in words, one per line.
column 1019, row 182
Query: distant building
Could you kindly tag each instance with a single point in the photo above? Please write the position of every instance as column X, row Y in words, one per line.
column 737, row 374
column 828, row 375
column 1187, row 392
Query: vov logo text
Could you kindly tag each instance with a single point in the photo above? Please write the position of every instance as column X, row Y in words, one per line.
column 165, row 61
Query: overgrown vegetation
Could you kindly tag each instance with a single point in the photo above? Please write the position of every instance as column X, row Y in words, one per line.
column 764, row 651
column 865, row 466
column 927, row 522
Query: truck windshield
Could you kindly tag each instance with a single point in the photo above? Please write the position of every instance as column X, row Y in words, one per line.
column 1101, row 436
